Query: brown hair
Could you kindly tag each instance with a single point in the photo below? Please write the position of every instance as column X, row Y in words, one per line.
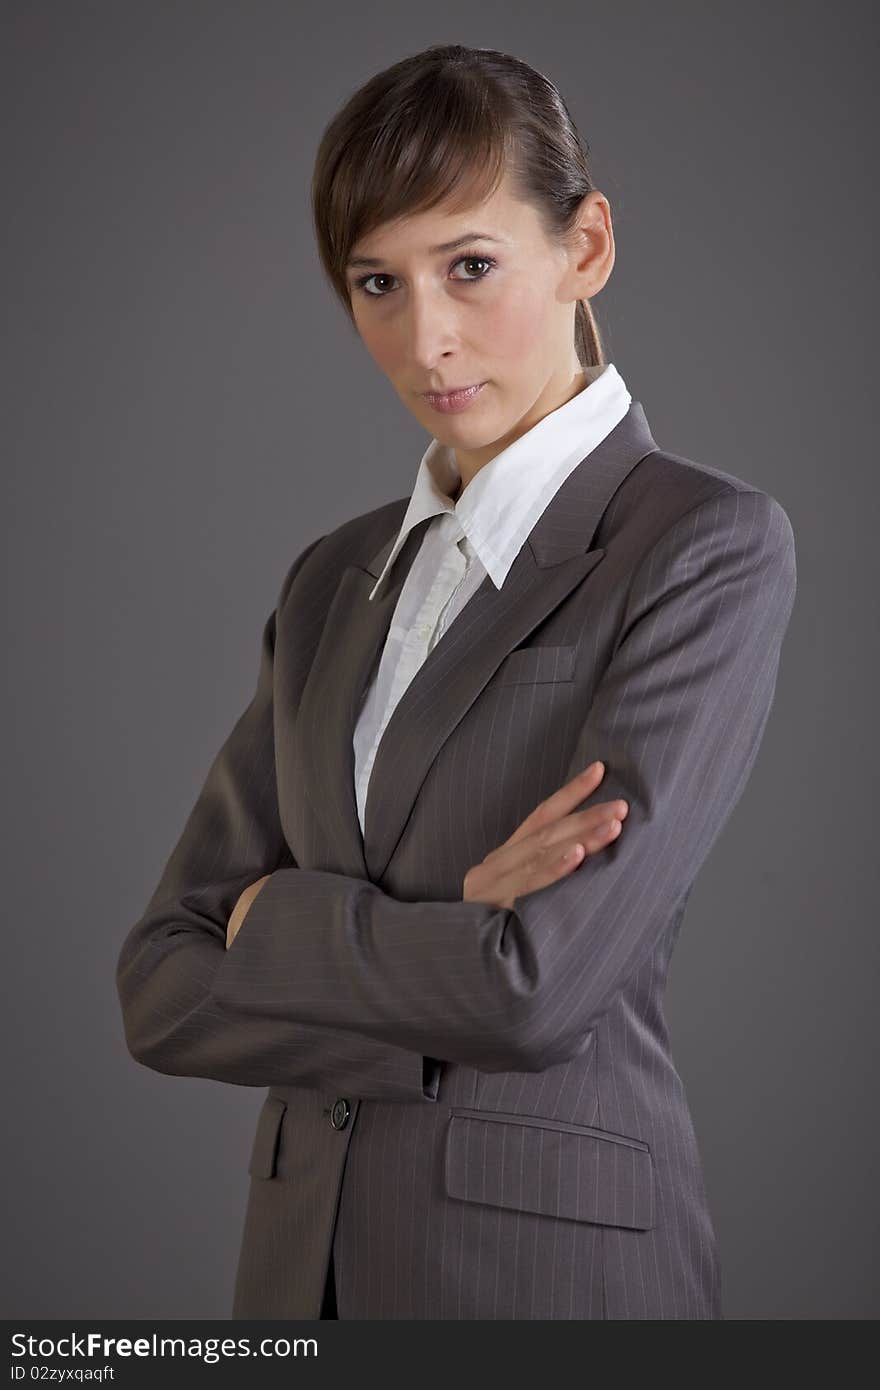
column 446, row 124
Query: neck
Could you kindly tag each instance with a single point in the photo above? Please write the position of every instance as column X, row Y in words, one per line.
column 551, row 398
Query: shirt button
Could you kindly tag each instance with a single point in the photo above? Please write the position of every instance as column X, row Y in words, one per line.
column 340, row 1113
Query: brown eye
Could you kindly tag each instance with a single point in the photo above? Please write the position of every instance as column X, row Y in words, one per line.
column 364, row 282
column 476, row 260
column 469, row 258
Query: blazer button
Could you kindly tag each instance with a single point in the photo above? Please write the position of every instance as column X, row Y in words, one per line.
column 340, row 1113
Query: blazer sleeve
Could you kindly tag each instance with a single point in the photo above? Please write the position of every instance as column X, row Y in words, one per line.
column 169, row 959
column 677, row 718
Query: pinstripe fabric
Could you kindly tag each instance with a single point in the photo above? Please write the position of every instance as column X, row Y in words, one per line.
column 481, row 533
column 516, row 1141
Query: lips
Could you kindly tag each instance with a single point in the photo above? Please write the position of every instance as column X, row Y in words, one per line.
column 453, row 400
column 452, row 390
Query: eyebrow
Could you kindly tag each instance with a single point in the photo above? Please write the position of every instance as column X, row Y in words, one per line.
column 432, row 250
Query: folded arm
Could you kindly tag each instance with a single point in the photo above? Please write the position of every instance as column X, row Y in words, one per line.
column 169, row 959
column 677, row 720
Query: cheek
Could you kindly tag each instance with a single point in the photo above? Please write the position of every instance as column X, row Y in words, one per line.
column 518, row 323
column 382, row 345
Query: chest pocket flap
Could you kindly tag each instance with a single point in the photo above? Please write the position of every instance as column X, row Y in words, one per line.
column 535, row 664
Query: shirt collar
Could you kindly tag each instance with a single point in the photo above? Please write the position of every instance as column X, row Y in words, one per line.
column 502, row 503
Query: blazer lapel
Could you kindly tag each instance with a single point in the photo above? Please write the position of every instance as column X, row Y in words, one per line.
column 557, row 556
column 352, row 638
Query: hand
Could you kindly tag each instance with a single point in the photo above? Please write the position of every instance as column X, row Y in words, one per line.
column 548, row 844
column 238, row 912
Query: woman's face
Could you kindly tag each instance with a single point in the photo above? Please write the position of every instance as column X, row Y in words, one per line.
column 498, row 308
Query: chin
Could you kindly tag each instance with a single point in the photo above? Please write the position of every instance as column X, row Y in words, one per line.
column 458, row 433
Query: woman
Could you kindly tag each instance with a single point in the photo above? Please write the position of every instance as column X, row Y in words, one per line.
column 398, row 902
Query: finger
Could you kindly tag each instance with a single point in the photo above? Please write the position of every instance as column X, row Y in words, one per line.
column 578, row 823
column 548, row 860
column 560, row 802
column 560, row 860
column 565, row 859
column 590, row 826
column 584, row 821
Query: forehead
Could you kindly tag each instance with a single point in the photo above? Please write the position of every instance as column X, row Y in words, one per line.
column 498, row 215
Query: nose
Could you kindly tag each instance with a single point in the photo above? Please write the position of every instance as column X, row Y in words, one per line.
column 431, row 329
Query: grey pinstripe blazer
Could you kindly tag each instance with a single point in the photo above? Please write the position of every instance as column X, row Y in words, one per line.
column 475, row 1109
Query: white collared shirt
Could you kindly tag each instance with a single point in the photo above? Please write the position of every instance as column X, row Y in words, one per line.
column 482, row 533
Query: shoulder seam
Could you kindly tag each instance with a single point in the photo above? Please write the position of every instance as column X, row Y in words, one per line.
column 725, row 491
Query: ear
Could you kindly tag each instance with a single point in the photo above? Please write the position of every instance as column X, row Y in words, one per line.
column 590, row 247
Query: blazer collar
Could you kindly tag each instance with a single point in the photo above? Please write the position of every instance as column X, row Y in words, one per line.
column 557, row 556
column 500, row 505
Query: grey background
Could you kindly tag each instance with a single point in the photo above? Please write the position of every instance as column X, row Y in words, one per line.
column 186, row 408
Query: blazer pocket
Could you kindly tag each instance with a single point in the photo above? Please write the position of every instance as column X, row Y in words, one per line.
column 533, row 664
column 265, row 1146
column 550, row 1167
